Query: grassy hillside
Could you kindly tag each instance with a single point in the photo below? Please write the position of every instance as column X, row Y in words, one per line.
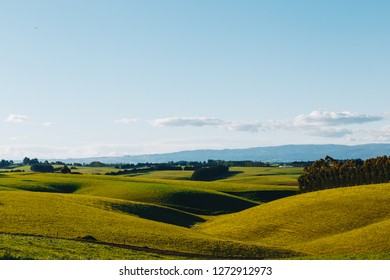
column 338, row 221
column 251, row 214
column 264, row 176
column 112, row 221
column 18, row 247
column 180, row 196
column 186, row 196
column 261, row 184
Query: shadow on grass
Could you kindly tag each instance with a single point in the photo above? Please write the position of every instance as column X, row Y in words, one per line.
column 52, row 188
column 207, row 203
column 221, row 177
column 8, row 256
column 159, row 214
column 264, row 195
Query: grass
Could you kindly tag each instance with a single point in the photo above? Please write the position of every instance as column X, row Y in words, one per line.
column 255, row 213
column 183, row 197
column 332, row 222
column 187, row 196
column 16, row 247
column 71, row 216
column 260, row 184
column 264, row 176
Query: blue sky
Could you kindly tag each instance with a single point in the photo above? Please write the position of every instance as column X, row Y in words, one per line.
column 92, row 78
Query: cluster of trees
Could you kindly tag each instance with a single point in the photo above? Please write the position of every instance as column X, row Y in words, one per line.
column 45, row 167
column 209, row 173
column 48, row 168
column 190, row 165
column 42, row 167
column 330, row 173
column 28, row 161
column 155, row 167
column 301, row 163
column 202, row 170
column 6, row 163
column 239, row 163
column 37, row 166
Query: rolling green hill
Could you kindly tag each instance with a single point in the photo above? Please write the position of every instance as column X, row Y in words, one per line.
column 342, row 221
column 114, row 221
column 254, row 214
column 23, row 247
column 189, row 196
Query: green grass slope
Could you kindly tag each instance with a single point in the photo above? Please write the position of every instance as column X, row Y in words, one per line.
column 261, row 184
column 338, row 221
column 114, row 221
column 251, row 183
column 17, row 247
column 187, row 196
column 183, row 197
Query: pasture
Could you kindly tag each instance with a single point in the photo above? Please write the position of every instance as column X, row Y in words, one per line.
column 254, row 213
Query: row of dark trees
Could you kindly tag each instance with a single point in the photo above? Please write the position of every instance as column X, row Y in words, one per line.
column 330, row 173
column 48, row 168
column 185, row 165
column 170, row 165
column 238, row 163
column 210, row 173
column 6, row 163
column 42, row 167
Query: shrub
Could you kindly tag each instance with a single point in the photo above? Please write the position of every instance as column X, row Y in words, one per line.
column 209, row 173
column 65, row 170
column 42, row 167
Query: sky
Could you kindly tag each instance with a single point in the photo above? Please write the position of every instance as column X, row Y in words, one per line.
column 109, row 78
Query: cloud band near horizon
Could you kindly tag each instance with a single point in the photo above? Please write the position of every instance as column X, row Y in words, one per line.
column 317, row 123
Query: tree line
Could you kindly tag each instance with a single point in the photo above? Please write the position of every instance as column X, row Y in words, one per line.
column 209, row 173
column 329, row 173
column 6, row 163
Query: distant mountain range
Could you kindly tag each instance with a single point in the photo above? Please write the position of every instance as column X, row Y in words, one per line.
column 286, row 153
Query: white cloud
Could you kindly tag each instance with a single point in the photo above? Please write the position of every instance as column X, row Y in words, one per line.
column 317, row 123
column 47, row 124
column 209, row 122
column 125, row 121
column 331, row 124
column 330, row 132
column 17, row 118
column 373, row 135
column 245, row 126
column 197, row 122
column 325, row 118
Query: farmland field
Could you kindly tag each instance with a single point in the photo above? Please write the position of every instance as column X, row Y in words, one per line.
column 254, row 213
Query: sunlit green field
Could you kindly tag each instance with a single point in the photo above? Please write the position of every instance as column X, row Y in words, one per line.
column 18, row 247
column 254, row 213
column 353, row 221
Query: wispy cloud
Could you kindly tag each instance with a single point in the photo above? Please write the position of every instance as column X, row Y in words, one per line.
column 47, row 124
column 331, row 124
column 183, row 121
column 125, row 120
column 12, row 118
column 316, row 123
column 327, row 118
column 254, row 126
column 329, row 132
column 209, row 122
column 372, row 135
